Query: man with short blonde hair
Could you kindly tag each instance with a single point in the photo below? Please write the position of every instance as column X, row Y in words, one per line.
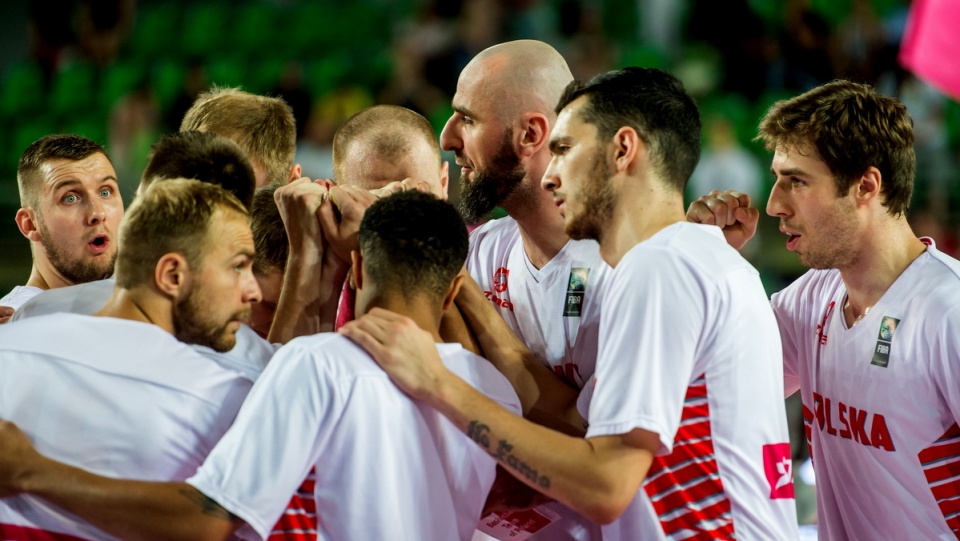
column 264, row 128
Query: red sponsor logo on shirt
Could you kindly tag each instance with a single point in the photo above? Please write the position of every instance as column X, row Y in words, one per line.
column 778, row 467
column 822, row 327
column 500, row 279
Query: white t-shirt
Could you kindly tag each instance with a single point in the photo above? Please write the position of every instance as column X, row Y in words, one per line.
column 689, row 349
column 19, row 295
column 116, row 397
column 881, row 400
column 555, row 310
column 387, row 467
column 249, row 356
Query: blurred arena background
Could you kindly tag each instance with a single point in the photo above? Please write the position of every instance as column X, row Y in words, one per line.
column 122, row 72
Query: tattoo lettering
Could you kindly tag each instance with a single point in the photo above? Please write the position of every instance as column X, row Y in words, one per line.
column 504, row 456
column 209, row 505
column 478, row 432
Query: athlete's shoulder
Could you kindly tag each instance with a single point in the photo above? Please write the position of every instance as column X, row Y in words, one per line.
column 84, row 298
column 480, row 374
column 329, row 353
column 499, row 230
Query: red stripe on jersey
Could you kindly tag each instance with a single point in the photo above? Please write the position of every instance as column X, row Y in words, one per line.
column 941, row 466
column 299, row 521
column 13, row 532
column 684, row 486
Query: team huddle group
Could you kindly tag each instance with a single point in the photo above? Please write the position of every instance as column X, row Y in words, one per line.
column 248, row 352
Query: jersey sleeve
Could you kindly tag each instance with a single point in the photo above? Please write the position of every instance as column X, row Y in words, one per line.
column 253, row 471
column 946, row 361
column 653, row 316
column 788, row 337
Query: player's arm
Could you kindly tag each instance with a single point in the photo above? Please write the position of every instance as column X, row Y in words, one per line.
column 546, row 399
column 300, row 309
column 6, row 313
column 597, row 477
column 127, row 509
column 731, row 211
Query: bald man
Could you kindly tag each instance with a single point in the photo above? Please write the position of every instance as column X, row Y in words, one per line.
column 376, row 151
column 545, row 286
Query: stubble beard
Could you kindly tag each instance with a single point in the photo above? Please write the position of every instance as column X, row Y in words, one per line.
column 76, row 271
column 597, row 203
column 190, row 328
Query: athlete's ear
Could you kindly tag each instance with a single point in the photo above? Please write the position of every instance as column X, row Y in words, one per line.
column 27, row 224
column 452, row 291
column 868, row 186
column 357, row 261
column 171, row 275
column 444, row 179
column 534, row 130
column 295, row 172
column 629, row 150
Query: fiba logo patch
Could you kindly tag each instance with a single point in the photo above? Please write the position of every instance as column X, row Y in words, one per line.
column 500, row 280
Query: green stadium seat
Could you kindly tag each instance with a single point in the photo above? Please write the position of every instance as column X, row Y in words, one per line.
column 203, row 31
column 156, row 30
column 118, row 80
column 167, row 78
column 23, row 90
column 227, row 71
column 254, row 28
column 73, row 89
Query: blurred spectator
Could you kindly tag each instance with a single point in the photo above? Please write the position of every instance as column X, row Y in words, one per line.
column 134, row 125
column 194, row 84
column 292, row 90
column 725, row 164
column 805, row 45
column 315, row 148
column 103, row 26
column 859, row 44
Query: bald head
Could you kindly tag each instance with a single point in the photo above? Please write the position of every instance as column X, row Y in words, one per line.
column 387, row 143
column 518, row 76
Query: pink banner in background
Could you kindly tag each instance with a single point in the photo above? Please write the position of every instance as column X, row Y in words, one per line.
column 931, row 44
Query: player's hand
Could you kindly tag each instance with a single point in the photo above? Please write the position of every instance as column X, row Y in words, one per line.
column 298, row 203
column 340, row 218
column 405, row 351
column 731, row 211
column 6, row 313
column 16, row 453
column 402, row 185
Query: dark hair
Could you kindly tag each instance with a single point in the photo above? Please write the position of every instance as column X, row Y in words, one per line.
column 269, row 233
column 413, row 243
column 50, row 147
column 653, row 103
column 206, row 157
column 852, row 127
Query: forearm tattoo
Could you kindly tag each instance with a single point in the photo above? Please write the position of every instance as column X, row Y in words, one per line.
column 480, row 433
column 209, row 506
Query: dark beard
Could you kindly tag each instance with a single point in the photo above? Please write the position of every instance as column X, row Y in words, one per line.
column 190, row 328
column 76, row 272
column 492, row 185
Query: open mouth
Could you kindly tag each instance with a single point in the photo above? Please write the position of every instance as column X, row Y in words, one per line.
column 99, row 243
column 792, row 242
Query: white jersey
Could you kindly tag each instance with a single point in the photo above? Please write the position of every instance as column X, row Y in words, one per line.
column 387, row 467
column 19, row 295
column 249, row 356
column 689, row 350
column 555, row 310
column 116, row 397
column 881, row 400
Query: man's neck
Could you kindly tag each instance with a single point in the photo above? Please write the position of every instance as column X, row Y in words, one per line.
column 636, row 219
column 44, row 276
column 883, row 253
column 422, row 309
column 138, row 305
column 540, row 223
